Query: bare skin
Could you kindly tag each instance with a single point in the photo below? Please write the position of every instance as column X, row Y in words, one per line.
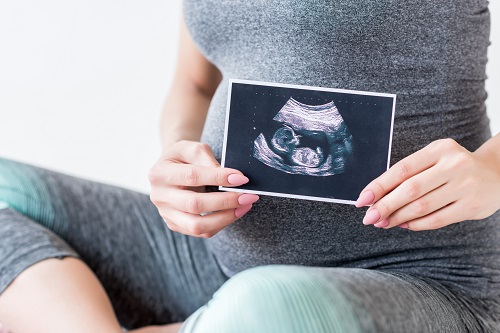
column 75, row 300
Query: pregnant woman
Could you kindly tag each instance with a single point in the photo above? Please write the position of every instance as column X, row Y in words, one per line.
column 78, row 256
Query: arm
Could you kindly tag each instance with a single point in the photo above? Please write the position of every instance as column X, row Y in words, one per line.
column 438, row 185
column 186, row 166
column 194, row 84
column 426, row 191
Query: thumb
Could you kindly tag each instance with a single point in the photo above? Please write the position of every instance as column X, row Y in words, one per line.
column 197, row 153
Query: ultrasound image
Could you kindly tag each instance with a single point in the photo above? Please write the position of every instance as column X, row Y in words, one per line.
column 313, row 140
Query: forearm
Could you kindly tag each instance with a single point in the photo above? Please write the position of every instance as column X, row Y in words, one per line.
column 184, row 113
column 186, row 107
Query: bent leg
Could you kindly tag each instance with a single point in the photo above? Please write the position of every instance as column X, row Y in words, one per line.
column 152, row 276
column 296, row 299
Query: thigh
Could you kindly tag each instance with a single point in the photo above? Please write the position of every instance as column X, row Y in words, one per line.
column 327, row 300
column 152, row 275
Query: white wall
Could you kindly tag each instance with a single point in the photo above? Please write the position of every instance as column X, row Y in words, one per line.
column 82, row 84
column 493, row 69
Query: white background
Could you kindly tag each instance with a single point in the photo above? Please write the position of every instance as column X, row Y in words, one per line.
column 82, row 84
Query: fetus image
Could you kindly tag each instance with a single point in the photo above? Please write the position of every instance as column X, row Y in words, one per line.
column 313, row 140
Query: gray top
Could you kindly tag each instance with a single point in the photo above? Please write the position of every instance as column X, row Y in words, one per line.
column 432, row 54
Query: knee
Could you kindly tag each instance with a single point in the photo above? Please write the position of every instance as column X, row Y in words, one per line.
column 23, row 189
column 277, row 299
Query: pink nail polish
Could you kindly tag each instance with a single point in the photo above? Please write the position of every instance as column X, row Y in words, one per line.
column 382, row 224
column 371, row 217
column 247, row 199
column 240, row 211
column 366, row 198
column 404, row 226
column 235, row 179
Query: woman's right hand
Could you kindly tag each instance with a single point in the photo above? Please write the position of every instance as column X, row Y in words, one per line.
column 178, row 180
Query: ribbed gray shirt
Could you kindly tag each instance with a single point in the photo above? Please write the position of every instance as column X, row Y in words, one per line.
column 432, row 54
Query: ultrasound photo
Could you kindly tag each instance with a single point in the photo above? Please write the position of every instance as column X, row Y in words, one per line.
column 307, row 142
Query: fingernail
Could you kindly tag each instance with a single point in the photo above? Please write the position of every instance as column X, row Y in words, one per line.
column 235, row 179
column 382, row 224
column 240, row 211
column 366, row 198
column 247, row 199
column 404, row 225
column 371, row 217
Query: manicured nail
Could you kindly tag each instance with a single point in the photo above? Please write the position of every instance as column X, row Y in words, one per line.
column 235, row 179
column 371, row 217
column 240, row 211
column 382, row 224
column 247, row 199
column 366, row 198
column 404, row 225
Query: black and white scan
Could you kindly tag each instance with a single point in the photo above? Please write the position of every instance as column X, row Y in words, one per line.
column 312, row 140
column 304, row 142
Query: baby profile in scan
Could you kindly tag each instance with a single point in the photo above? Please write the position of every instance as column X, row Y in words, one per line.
column 313, row 140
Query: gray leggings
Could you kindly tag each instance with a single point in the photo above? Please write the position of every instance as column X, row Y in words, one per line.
column 155, row 276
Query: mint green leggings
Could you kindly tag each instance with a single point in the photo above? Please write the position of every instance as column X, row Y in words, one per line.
column 154, row 276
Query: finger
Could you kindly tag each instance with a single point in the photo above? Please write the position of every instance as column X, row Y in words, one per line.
column 192, row 175
column 208, row 225
column 410, row 190
column 175, row 228
column 172, row 226
column 445, row 216
column 190, row 152
column 198, row 203
column 398, row 173
column 238, row 212
column 423, row 206
column 196, row 225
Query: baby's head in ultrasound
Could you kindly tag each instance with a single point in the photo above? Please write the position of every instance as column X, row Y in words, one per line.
column 313, row 140
column 303, row 148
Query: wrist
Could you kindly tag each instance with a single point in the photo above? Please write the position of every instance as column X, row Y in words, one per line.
column 174, row 138
column 489, row 153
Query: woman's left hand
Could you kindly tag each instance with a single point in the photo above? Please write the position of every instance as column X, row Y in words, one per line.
column 438, row 185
